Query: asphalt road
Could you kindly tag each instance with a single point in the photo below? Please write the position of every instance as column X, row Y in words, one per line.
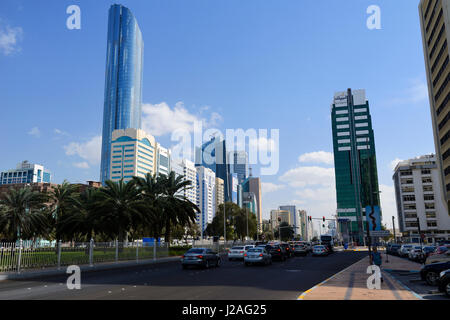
column 231, row 281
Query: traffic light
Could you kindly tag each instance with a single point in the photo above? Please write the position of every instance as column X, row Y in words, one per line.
column 309, row 218
column 323, row 219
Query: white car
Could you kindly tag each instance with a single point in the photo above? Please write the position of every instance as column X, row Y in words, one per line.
column 414, row 252
column 238, row 252
column 404, row 250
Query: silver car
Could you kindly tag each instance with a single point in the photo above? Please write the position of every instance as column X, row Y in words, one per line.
column 257, row 255
column 300, row 250
column 404, row 250
column 200, row 257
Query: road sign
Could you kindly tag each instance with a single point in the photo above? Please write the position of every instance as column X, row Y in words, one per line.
column 379, row 233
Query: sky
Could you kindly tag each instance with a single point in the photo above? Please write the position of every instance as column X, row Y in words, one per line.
column 252, row 64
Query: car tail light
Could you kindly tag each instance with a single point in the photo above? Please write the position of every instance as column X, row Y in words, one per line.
column 278, row 250
column 241, row 251
column 245, row 255
column 200, row 257
column 260, row 254
column 182, row 256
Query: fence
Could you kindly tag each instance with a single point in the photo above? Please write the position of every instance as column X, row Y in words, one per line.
column 219, row 246
column 15, row 257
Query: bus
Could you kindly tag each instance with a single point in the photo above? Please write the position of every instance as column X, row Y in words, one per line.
column 328, row 241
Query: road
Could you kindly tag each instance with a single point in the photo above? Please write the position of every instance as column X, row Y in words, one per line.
column 231, row 281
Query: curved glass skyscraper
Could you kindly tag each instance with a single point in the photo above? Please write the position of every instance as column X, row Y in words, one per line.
column 123, row 79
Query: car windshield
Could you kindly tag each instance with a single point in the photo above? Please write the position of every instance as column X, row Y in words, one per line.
column 237, row 248
column 319, row 247
column 255, row 250
column 195, row 251
column 248, row 247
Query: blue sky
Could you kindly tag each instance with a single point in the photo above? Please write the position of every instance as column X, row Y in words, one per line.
column 235, row 64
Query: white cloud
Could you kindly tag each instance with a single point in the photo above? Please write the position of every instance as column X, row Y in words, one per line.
column 317, row 157
column 35, row 132
column 307, row 176
column 416, row 92
column 89, row 150
column 9, row 38
column 267, row 187
column 60, row 132
column 394, row 163
column 159, row 119
column 388, row 203
column 81, row 165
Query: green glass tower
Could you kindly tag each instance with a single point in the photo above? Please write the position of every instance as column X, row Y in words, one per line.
column 354, row 162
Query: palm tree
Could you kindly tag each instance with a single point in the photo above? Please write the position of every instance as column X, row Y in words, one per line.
column 77, row 223
column 61, row 200
column 177, row 209
column 117, row 207
column 22, row 214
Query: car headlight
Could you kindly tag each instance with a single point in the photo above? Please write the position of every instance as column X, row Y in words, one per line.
column 441, row 274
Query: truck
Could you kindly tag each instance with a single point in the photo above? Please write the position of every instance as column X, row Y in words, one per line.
column 328, row 241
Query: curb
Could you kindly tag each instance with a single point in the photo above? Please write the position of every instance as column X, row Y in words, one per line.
column 404, row 286
column 85, row 268
column 302, row 296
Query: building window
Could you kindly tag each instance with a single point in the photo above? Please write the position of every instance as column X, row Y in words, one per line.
column 411, row 224
column 430, row 214
column 431, row 224
column 405, row 172
column 426, row 171
column 411, row 206
column 410, row 215
column 363, row 124
column 428, row 197
column 407, row 189
column 409, row 197
column 407, row 181
column 427, row 180
column 428, row 188
column 429, row 205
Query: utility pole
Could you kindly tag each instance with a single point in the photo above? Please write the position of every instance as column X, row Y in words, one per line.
column 393, row 227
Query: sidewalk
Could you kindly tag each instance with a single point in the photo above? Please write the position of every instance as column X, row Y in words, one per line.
column 351, row 283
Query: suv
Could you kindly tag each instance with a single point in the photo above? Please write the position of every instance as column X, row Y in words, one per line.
column 276, row 251
column 442, row 257
column 288, row 249
column 430, row 272
column 392, row 249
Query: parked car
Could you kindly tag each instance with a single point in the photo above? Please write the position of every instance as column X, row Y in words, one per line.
column 200, row 257
column 415, row 253
column 289, row 250
column 277, row 252
column 257, row 255
column 392, row 249
column 404, row 250
column 320, row 250
column 442, row 257
column 444, row 282
column 236, row 253
column 300, row 250
column 430, row 272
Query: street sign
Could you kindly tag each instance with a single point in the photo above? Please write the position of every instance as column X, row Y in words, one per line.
column 379, row 233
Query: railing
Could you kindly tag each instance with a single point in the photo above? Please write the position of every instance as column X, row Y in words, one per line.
column 219, row 246
column 15, row 257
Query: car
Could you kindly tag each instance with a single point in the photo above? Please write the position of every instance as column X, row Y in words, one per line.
column 444, row 282
column 320, row 250
column 236, row 253
column 200, row 257
column 404, row 250
column 300, row 250
column 276, row 252
column 392, row 249
column 414, row 253
column 430, row 272
column 257, row 255
column 442, row 257
column 288, row 249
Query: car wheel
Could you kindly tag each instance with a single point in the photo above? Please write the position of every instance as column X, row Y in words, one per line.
column 431, row 278
column 447, row 289
column 218, row 263
column 207, row 264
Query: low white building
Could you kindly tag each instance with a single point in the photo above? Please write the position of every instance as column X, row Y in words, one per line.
column 420, row 199
column 25, row 172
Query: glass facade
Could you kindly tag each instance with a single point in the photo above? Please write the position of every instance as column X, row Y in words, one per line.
column 354, row 160
column 123, row 79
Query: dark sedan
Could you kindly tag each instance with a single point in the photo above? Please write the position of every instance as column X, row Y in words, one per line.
column 444, row 282
column 277, row 252
column 288, row 249
column 430, row 272
column 200, row 257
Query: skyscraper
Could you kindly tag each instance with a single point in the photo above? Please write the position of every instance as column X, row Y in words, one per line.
column 295, row 220
column 435, row 27
column 206, row 196
column 213, row 155
column 354, row 160
column 239, row 160
column 253, row 185
column 123, row 79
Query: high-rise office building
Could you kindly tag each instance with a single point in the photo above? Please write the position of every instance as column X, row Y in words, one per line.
column 420, row 199
column 213, row 155
column 123, row 80
column 279, row 216
column 25, row 172
column 163, row 161
column 220, row 194
column 187, row 169
column 206, row 198
column 133, row 154
column 295, row 220
column 239, row 164
column 435, row 27
column 354, row 160
column 253, row 185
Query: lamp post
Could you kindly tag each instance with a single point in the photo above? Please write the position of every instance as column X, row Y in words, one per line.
column 393, row 227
